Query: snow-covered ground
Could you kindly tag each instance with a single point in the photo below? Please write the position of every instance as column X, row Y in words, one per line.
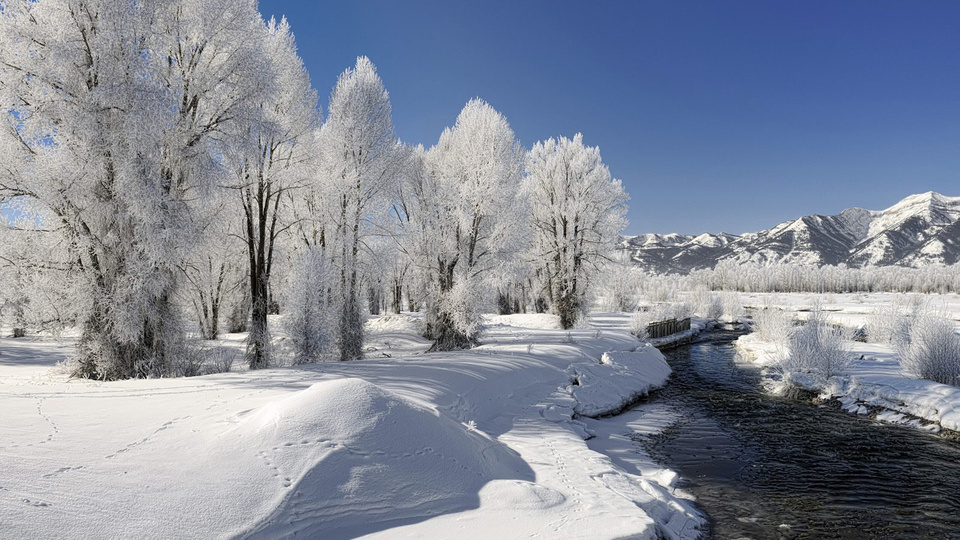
column 874, row 384
column 479, row 443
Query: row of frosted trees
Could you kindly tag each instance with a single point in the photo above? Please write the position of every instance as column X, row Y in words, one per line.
column 791, row 277
column 164, row 166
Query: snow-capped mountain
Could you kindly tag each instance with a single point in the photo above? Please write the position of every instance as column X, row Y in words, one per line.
column 919, row 230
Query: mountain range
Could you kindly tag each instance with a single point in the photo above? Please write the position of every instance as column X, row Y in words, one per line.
column 920, row 230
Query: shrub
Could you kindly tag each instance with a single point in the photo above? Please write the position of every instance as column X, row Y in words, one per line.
column 816, row 348
column 639, row 323
column 772, row 324
column 891, row 322
column 308, row 322
column 731, row 306
column 713, row 307
column 930, row 349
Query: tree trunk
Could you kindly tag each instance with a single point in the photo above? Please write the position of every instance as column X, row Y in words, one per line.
column 373, row 300
column 412, row 305
column 259, row 335
column 441, row 329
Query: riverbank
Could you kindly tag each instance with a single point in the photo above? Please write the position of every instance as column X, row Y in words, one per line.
column 490, row 441
column 874, row 385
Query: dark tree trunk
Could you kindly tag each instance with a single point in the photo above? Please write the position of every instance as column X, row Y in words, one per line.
column 373, row 300
column 259, row 335
column 397, row 303
column 442, row 330
column 412, row 305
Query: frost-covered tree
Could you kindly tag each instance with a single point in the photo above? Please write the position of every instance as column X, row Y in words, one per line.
column 36, row 271
column 214, row 268
column 620, row 283
column 577, row 213
column 468, row 220
column 273, row 161
column 119, row 111
column 308, row 321
column 361, row 160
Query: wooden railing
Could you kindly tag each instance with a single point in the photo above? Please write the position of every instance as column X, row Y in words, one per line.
column 668, row 327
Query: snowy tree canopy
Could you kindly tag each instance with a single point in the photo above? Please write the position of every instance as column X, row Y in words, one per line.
column 360, row 162
column 173, row 162
column 121, row 111
column 577, row 212
column 470, row 216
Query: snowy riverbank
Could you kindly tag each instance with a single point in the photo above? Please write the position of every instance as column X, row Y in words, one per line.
column 874, row 384
column 463, row 444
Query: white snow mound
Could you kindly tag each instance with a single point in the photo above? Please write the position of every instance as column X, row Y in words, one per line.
column 367, row 456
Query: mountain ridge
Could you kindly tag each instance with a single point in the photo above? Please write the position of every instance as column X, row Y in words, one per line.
column 919, row 230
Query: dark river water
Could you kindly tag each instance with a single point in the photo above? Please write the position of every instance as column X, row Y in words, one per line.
column 763, row 467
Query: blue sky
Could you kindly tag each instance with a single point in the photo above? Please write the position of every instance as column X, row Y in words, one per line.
column 717, row 116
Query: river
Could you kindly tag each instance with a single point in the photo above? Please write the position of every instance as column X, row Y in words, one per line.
column 767, row 467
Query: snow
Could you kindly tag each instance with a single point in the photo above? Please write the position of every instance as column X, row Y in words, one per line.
column 920, row 204
column 874, row 383
column 470, row 443
column 617, row 381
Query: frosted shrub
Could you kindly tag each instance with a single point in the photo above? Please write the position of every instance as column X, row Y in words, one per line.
column 639, row 323
column 816, row 348
column 930, row 349
column 891, row 323
column 460, row 315
column 731, row 306
column 222, row 361
column 188, row 362
column 772, row 324
column 307, row 320
column 712, row 308
column 884, row 323
column 620, row 288
column 679, row 310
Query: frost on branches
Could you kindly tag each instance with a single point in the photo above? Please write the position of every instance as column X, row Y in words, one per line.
column 308, row 304
column 360, row 162
column 273, row 160
column 164, row 169
column 469, row 218
column 578, row 212
column 121, row 112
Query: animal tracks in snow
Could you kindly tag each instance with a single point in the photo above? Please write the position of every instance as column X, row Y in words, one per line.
column 62, row 470
column 135, row 444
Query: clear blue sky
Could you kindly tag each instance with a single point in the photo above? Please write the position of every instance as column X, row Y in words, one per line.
column 717, row 116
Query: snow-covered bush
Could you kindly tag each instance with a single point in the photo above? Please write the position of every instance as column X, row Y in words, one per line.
column 929, row 348
column 708, row 305
column 639, row 325
column 620, row 287
column 222, row 361
column 462, row 306
column 307, row 320
column 817, row 348
column 187, row 362
column 677, row 310
column 731, row 306
column 884, row 323
column 772, row 324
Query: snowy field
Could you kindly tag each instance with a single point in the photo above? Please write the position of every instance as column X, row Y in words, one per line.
column 479, row 443
column 875, row 383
